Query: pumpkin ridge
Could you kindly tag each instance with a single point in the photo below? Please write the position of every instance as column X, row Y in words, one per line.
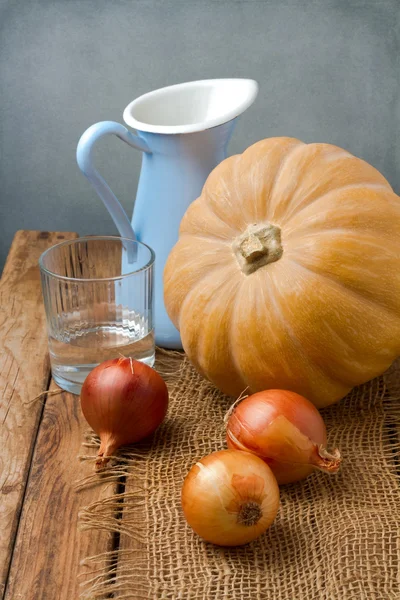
column 327, row 373
column 180, row 267
column 200, row 281
column 348, row 290
column 291, row 237
column 211, row 208
column 299, row 346
column 212, row 238
column 206, row 194
column 337, row 157
column 294, row 213
column 231, row 355
column 279, row 171
column 188, row 226
column 234, row 358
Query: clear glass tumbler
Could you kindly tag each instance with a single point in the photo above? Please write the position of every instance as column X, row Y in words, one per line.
column 98, row 296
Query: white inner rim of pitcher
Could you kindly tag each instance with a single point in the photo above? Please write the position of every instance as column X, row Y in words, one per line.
column 190, row 107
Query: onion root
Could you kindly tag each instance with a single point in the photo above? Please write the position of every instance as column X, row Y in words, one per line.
column 329, row 462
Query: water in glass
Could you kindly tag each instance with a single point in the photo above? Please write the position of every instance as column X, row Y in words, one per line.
column 98, row 295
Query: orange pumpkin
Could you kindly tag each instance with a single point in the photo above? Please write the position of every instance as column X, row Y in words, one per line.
column 287, row 272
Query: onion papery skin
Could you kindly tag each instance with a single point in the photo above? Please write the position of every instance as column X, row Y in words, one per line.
column 124, row 401
column 286, row 431
column 230, row 497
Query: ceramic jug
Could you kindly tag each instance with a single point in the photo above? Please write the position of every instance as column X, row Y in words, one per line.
column 182, row 131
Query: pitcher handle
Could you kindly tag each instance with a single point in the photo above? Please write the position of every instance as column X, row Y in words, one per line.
column 84, row 157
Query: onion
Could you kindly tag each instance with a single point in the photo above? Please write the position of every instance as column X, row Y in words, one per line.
column 230, row 498
column 284, row 429
column 123, row 400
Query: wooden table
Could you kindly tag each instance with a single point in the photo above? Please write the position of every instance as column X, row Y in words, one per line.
column 40, row 546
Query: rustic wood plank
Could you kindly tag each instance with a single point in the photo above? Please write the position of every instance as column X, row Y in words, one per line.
column 49, row 547
column 24, row 373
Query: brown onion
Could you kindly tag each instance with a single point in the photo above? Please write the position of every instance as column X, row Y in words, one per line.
column 229, row 498
column 124, row 401
column 284, row 429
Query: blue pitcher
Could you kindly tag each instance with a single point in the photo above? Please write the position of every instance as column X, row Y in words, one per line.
column 183, row 131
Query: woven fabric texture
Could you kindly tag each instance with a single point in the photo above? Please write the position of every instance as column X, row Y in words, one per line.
column 335, row 537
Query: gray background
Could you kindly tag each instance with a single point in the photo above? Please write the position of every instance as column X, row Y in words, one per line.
column 328, row 71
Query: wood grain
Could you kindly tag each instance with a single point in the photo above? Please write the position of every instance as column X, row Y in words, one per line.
column 24, row 373
column 49, row 547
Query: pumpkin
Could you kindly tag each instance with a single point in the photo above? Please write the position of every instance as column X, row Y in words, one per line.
column 286, row 273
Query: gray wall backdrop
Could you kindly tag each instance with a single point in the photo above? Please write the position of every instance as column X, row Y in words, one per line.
column 328, row 71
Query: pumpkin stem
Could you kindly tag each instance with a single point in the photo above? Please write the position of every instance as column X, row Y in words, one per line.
column 259, row 245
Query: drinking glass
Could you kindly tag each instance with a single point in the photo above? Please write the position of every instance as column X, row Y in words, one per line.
column 98, row 297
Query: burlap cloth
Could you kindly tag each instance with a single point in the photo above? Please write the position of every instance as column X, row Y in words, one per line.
column 335, row 537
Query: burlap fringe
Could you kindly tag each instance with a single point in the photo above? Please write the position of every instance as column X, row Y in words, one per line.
column 102, row 576
column 43, row 395
column 100, row 572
